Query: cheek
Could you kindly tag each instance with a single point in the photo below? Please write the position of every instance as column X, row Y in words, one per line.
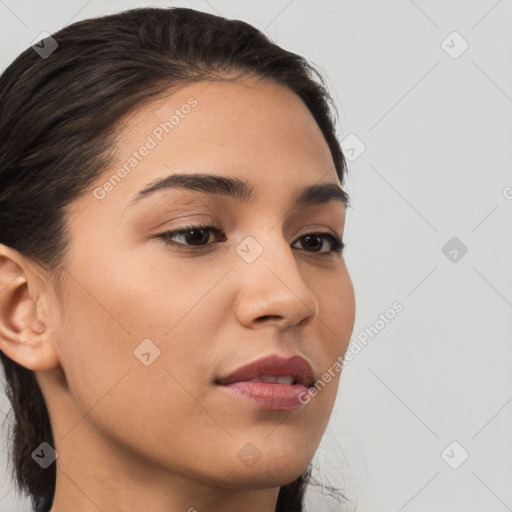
column 336, row 312
column 94, row 344
column 344, row 306
column 115, row 321
column 110, row 386
column 335, row 323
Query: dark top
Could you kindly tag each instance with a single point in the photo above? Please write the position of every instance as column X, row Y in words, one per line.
column 44, row 503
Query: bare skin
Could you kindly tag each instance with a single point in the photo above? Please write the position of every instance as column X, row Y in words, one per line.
column 164, row 437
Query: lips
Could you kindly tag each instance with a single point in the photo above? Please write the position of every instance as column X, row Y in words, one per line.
column 274, row 369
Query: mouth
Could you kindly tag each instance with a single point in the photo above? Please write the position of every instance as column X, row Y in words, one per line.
column 272, row 382
column 275, row 379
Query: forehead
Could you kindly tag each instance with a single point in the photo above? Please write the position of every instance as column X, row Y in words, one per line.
column 260, row 132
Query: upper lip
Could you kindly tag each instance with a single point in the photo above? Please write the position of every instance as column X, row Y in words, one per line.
column 296, row 367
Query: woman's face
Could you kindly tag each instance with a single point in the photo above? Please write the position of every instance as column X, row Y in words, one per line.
column 147, row 329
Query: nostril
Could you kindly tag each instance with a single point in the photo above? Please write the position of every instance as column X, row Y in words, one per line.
column 265, row 317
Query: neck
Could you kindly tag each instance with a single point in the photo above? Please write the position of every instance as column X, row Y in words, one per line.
column 94, row 475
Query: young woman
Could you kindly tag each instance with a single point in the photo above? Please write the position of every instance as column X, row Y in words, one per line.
column 174, row 301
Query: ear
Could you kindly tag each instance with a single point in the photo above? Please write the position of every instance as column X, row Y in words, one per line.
column 25, row 333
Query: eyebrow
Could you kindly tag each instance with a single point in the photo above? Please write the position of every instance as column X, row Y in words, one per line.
column 240, row 190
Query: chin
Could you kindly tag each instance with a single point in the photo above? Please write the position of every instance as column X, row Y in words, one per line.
column 262, row 475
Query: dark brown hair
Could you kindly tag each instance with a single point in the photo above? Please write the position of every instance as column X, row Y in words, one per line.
column 57, row 133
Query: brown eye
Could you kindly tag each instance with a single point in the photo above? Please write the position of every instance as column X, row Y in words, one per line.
column 191, row 236
column 316, row 241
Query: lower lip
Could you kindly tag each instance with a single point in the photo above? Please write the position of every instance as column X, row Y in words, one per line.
column 269, row 395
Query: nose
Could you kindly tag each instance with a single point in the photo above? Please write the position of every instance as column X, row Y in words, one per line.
column 272, row 289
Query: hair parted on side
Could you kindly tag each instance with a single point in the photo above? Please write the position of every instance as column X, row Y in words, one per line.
column 57, row 136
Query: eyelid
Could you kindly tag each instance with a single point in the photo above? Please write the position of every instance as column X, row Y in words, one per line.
column 310, row 228
column 199, row 219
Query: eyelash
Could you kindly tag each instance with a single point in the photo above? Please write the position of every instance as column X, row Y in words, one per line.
column 337, row 245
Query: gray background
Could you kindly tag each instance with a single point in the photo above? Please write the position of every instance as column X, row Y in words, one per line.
column 437, row 130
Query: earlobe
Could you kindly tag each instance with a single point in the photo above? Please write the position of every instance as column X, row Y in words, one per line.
column 24, row 337
column 29, row 350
